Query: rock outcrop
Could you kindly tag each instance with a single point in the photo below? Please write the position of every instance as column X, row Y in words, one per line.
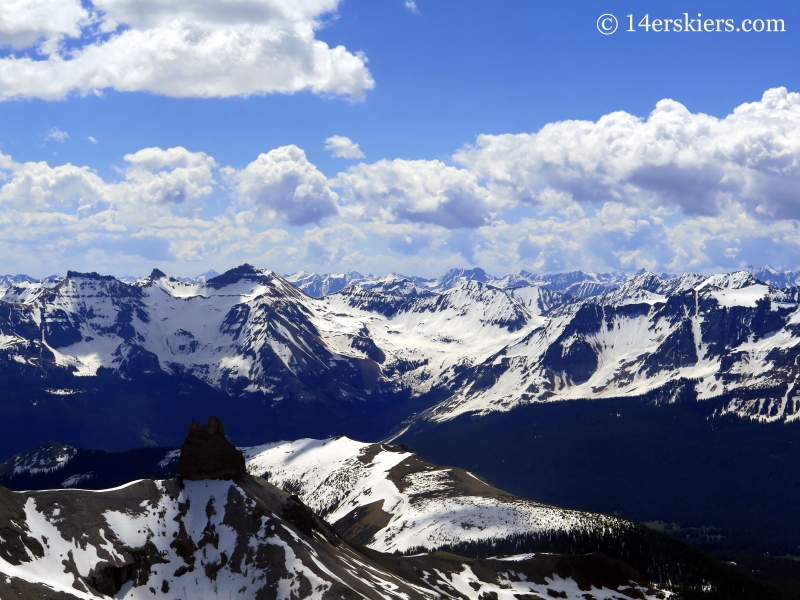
column 207, row 454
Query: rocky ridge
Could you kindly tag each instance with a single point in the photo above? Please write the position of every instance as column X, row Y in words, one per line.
column 238, row 536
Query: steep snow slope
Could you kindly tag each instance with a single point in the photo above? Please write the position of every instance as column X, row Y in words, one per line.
column 425, row 341
column 391, row 500
column 471, row 348
column 727, row 336
column 217, row 538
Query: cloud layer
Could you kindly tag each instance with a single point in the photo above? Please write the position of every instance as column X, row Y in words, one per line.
column 695, row 162
column 197, row 48
column 674, row 191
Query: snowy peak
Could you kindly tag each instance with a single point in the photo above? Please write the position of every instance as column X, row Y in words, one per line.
column 644, row 288
column 44, row 458
column 413, row 505
column 730, row 281
column 398, row 285
column 8, row 281
column 471, row 348
column 477, row 303
column 456, row 276
column 203, row 277
column 321, row 285
column 774, row 277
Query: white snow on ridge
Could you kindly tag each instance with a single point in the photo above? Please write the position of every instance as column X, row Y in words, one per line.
column 337, row 475
column 156, row 523
column 419, row 338
column 746, row 296
column 219, row 539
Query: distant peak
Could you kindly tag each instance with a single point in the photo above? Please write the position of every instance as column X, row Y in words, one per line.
column 92, row 275
column 245, row 271
column 157, row 274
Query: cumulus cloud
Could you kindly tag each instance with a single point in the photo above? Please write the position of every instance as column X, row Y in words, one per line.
column 672, row 192
column 199, row 48
column 171, row 177
column 36, row 186
column 92, row 139
column 343, row 147
column 696, row 162
column 23, row 23
column 419, row 191
column 286, row 186
column 154, row 177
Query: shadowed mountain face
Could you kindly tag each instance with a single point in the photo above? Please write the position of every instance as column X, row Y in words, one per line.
column 275, row 362
column 238, row 536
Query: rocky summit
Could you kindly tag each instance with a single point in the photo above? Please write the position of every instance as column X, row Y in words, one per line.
column 207, row 454
column 217, row 532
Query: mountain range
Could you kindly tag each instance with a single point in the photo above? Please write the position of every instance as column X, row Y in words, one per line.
column 459, row 535
column 648, row 396
column 473, row 348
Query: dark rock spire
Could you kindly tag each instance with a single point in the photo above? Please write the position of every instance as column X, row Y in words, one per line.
column 207, row 454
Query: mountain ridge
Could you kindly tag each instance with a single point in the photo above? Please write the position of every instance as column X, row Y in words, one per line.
column 217, row 531
column 353, row 483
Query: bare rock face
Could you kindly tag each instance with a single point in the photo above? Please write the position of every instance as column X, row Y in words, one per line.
column 207, row 454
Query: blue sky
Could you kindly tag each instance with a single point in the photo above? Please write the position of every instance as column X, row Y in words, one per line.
column 573, row 168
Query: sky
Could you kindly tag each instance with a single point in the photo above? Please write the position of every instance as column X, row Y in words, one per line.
column 398, row 136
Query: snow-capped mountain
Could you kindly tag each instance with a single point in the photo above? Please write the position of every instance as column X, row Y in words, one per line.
column 381, row 496
column 389, row 499
column 21, row 288
column 6, row 281
column 216, row 531
column 209, row 539
column 776, row 277
column 330, row 283
column 473, row 348
column 577, row 284
column 725, row 336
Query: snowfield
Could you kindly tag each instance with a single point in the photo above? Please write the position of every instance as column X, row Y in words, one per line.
column 424, row 506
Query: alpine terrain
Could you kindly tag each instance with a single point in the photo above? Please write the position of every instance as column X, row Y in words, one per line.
column 215, row 531
column 649, row 396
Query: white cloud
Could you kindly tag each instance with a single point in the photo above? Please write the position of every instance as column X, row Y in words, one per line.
column 696, row 162
column 285, row 186
column 343, row 147
column 412, row 6
column 33, row 187
column 92, row 139
column 418, row 191
column 199, row 48
column 57, row 135
column 155, row 177
column 23, row 23
column 621, row 193
column 168, row 177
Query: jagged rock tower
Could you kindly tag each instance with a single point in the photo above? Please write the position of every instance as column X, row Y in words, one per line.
column 207, row 454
